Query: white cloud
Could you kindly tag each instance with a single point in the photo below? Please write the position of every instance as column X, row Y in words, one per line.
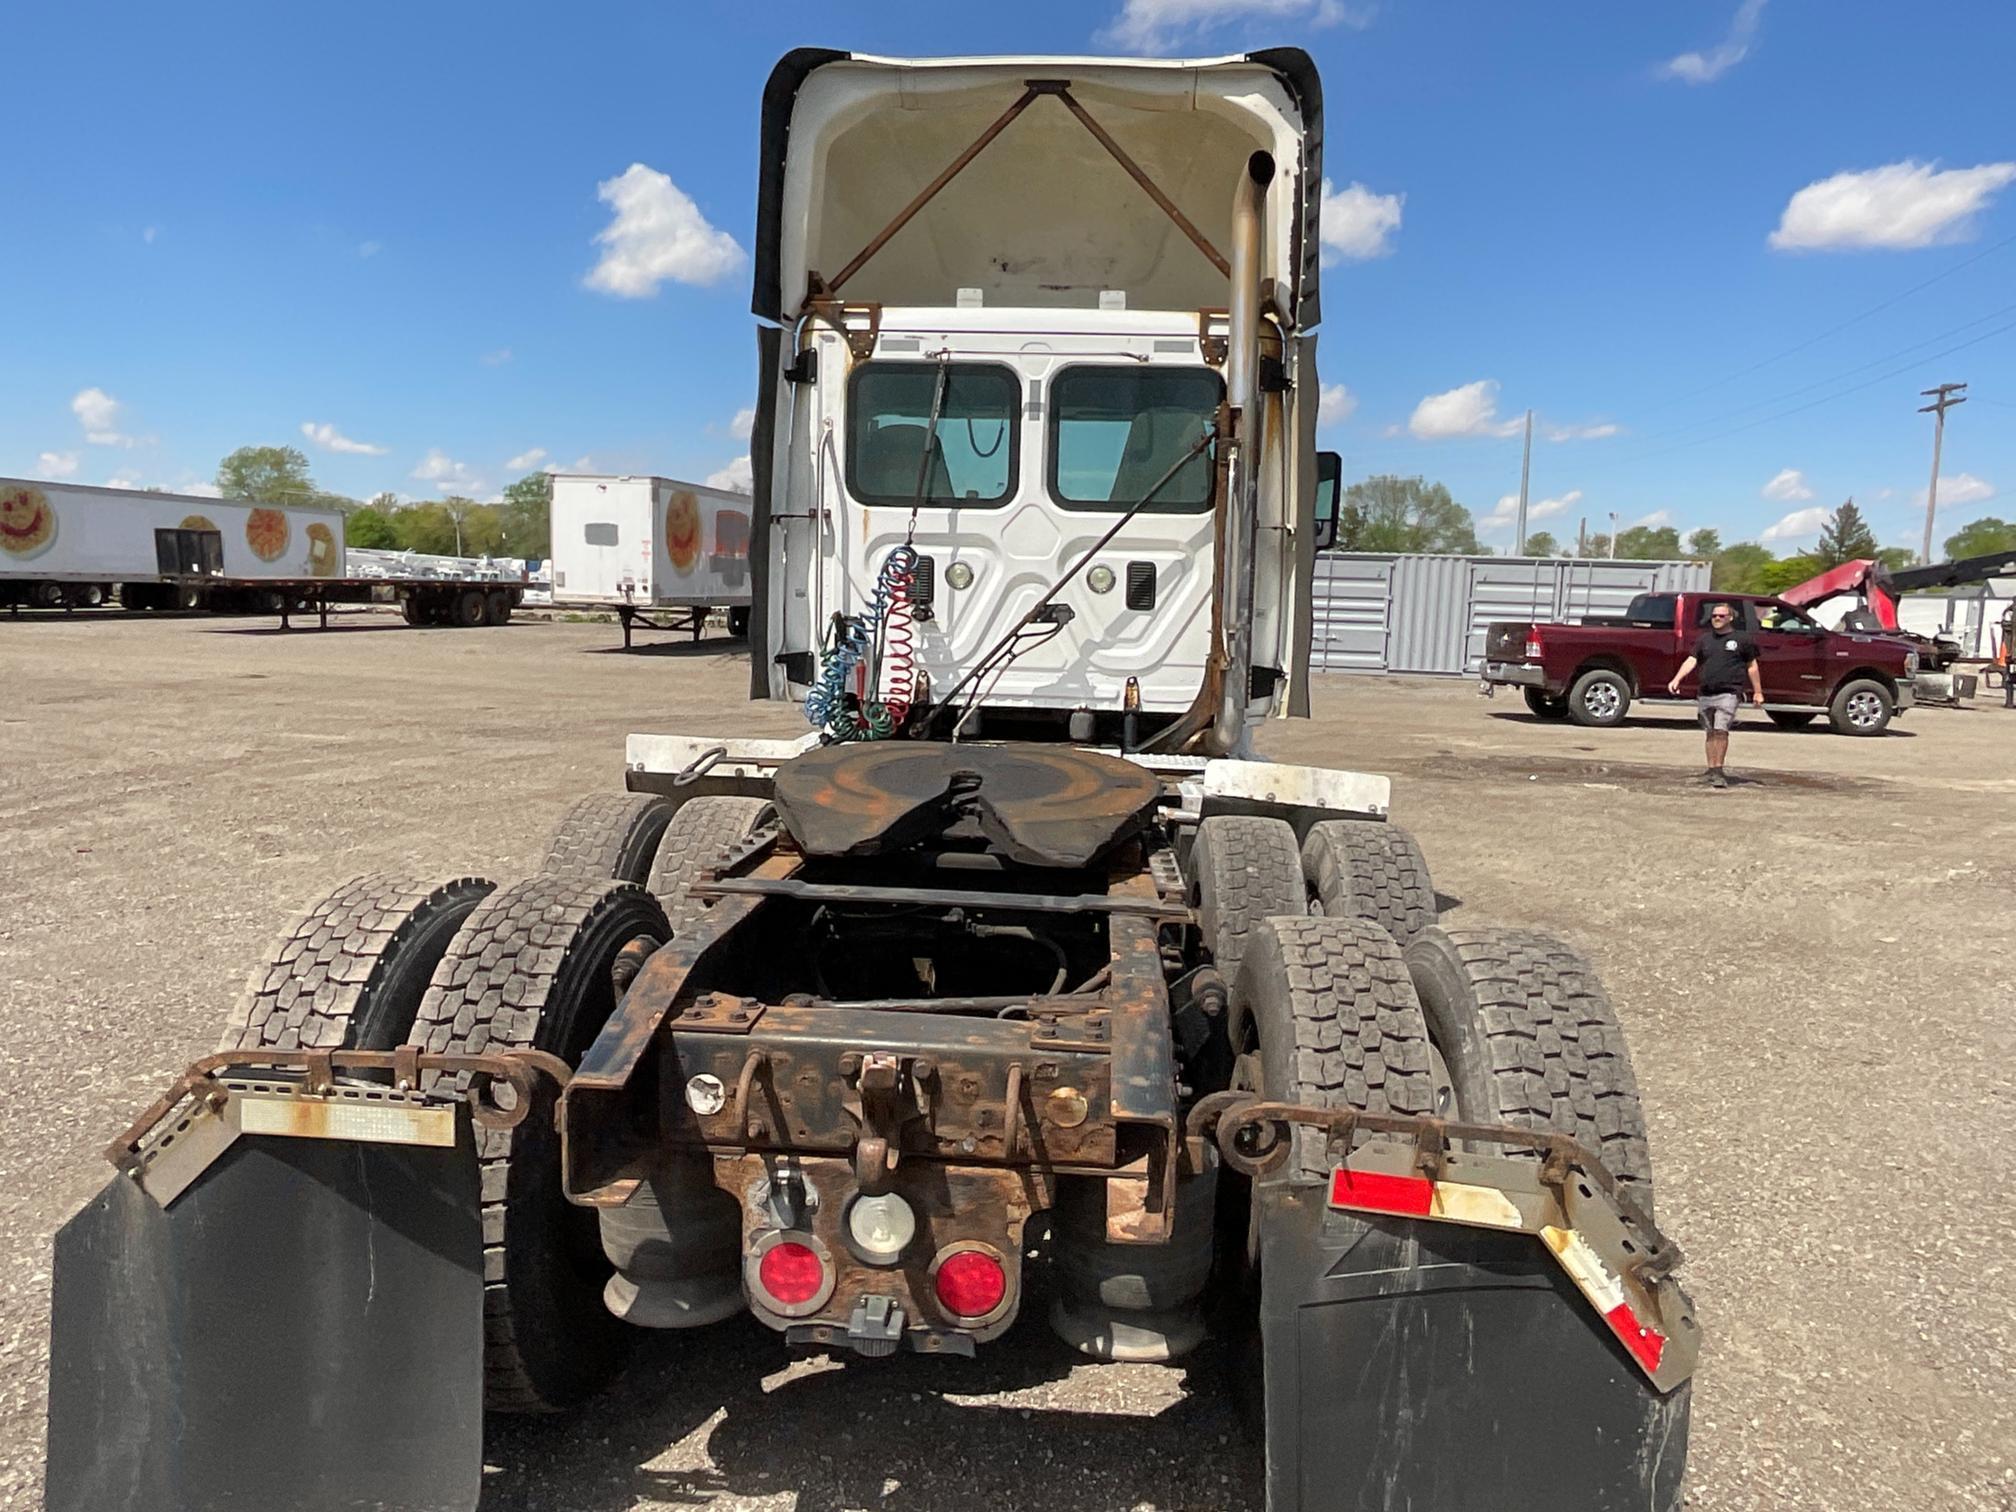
column 1598, row 431
column 1959, row 488
column 1148, row 26
column 446, row 474
column 737, row 476
column 1337, row 405
column 149, row 234
column 370, row 248
column 743, row 424
column 497, row 358
column 1505, row 514
column 1798, row 524
column 202, row 490
column 1706, row 67
column 56, row 464
column 527, row 459
column 1789, row 487
column 1471, row 410
column 658, row 234
column 98, row 412
column 1357, row 223
column 329, row 438
column 1902, row 205
column 120, row 480
column 1651, row 521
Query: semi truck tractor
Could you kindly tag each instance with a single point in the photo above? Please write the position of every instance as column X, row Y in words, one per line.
column 1019, row 938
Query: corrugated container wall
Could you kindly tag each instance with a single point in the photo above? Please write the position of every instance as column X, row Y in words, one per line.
column 1389, row 613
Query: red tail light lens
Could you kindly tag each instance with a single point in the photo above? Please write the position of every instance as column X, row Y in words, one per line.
column 970, row 1283
column 1534, row 650
column 791, row 1273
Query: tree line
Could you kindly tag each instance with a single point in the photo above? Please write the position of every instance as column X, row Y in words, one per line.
column 518, row 525
column 1389, row 513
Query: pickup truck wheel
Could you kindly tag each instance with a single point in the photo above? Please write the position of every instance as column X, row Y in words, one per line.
column 1791, row 719
column 1545, row 705
column 1600, row 699
column 1530, row 1039
column 1862, row 707
column 1247, row 868
column 1367, row 871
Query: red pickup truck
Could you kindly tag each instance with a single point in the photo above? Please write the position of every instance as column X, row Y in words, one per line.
column 1590, row 672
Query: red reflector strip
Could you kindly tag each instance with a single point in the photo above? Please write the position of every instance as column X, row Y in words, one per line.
column 1374, row 1191
column 1647, row 1345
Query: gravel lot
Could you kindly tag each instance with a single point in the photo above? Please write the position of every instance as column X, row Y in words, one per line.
column 1815, row 969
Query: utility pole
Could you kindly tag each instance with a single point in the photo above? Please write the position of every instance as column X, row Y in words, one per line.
column 1613, row 535
column 1943, row 398
column 1525, row 471
column 1582, row 536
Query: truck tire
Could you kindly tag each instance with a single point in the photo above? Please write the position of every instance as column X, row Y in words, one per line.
column 350, row 972
column 699, row 833
column 414, row 611
column 497, row 607
column 1545, row 705
column 738, row 623
column 530, row 969
column 1599, row 698
column 1530, row 1039
column 1358, row 870
column 1862, row 706
column 1792, row 719
column 608, row 836
column 466, row 610
column 1245, row 869
column 1333, row 1012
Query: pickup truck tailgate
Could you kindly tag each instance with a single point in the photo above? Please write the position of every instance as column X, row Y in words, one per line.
column 1505, row 640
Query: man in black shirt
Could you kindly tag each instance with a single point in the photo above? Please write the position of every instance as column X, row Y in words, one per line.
column 1727, row 658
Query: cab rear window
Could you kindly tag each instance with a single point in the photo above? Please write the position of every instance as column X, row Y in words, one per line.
column 1114, row 431
column 974, row 448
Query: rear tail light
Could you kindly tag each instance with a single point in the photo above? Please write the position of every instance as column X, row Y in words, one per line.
column 790, row 1274
column 971, row 1282
column 1534, row 649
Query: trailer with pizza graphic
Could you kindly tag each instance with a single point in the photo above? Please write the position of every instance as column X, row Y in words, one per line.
column 71, row 546
column 661, row 553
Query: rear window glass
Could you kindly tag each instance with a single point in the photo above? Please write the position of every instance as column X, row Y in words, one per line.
column 974, row 450
column 1114, row 431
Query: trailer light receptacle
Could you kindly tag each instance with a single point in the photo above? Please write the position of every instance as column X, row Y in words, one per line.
column 881, row 1227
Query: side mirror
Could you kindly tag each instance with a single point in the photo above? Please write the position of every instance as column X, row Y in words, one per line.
column 1329, row 485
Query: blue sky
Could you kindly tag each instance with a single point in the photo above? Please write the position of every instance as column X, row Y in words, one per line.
column 228, row 222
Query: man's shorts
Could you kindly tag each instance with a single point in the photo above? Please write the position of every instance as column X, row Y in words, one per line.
column 1717, row 711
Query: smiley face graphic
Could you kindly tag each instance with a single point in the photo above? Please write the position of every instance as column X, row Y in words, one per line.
column 682, row 532
column 27, row 521
column 266, row 532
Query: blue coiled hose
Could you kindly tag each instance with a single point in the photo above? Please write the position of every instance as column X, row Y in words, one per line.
column 849, row 640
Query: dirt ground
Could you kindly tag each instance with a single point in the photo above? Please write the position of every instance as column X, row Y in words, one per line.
column 1815, row 970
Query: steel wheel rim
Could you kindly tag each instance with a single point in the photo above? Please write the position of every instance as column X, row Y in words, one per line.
column 1601, row 700
column 1864, row 709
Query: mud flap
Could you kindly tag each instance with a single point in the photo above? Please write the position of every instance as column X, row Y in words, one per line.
column 300, row 1330
column 1428, row 1367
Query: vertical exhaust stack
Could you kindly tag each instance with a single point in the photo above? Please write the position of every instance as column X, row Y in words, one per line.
column 1242, row 501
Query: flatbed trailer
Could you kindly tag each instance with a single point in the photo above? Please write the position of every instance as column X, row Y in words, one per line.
column 461, row 602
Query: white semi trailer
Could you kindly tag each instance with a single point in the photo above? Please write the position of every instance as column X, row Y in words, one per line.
column 661, row 553
column 67, row 546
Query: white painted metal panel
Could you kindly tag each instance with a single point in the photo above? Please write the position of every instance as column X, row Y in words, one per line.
column 1352, row 593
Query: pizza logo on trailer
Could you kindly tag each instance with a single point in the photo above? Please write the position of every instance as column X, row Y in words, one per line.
column 682, row 531
column 27, row 521
column 321, row 550
column 266, row 532
column 198, row 522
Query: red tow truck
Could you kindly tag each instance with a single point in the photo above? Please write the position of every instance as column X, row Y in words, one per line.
column 1593, row 671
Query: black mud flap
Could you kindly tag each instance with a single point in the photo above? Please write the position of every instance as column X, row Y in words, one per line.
column 299, row 1331
column 1428, row 1367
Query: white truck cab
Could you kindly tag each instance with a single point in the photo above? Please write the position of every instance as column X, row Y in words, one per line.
column 1005, row 302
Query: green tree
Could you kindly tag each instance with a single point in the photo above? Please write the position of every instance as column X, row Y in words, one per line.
column 1740, row 568
column 1846, row 537
column 528, row 517
column 1542, row 543
column 1896, row 558
column 428, row 528
column 1980, row 538
column 371, row 527
column 1782, row 574
column 1649, row 543
column 1705, row 544
column 1403, row 514
column 1598, row 546
column 270, row 474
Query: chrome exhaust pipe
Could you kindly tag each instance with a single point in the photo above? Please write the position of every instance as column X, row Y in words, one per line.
column 1242, row 503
